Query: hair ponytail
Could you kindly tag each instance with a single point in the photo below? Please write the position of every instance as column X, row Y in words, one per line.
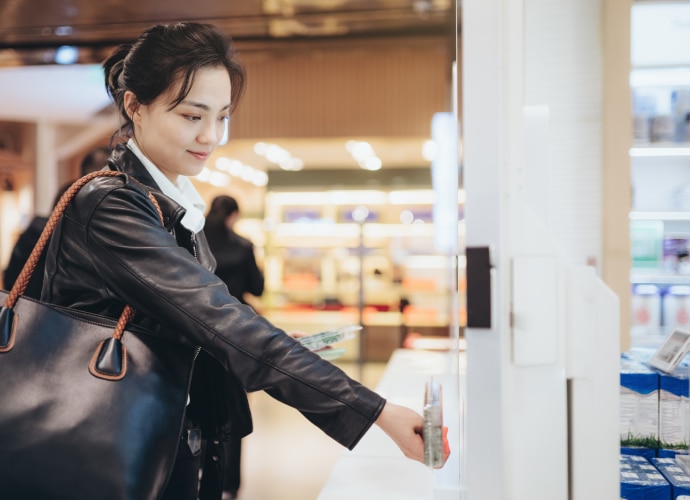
column 113, row 68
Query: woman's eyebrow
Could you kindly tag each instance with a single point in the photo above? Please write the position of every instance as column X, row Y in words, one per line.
column 203, row 106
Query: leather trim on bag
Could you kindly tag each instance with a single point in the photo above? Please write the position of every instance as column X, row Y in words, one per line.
column 96, row 359
column 8, row 323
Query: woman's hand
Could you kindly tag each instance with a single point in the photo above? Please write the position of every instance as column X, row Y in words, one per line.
column 405, row 428
column 297, row 334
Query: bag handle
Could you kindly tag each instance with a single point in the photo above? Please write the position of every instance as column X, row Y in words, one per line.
column 110, row 359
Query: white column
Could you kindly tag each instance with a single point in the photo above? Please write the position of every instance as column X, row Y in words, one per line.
column 46, row 183
column 484, row 130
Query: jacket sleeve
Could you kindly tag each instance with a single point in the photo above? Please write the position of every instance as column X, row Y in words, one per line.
column 140, row 263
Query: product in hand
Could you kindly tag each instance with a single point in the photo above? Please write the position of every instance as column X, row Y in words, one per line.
column 322, row 342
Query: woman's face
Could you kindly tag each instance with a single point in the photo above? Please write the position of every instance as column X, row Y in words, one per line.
column 180, row 140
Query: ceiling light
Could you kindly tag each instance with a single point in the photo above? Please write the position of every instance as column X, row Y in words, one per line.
column 237, row 169
column 259, row 178
column 204, row 175
column 66, row 54
column 260, row 148
column 279, row 156
column 230, row 165
column 218, row 179
column 371, row 163
column 223, row 163
column 359, row 149
column 63, row 30
column 364, row 154
column 246, row 173
column 292, row 164
column 276, row 154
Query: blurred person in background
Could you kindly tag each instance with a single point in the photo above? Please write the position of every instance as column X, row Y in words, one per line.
column 94, row 160
column 235, row 261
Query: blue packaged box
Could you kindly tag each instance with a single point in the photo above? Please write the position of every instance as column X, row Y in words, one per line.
column 639, row 404
column 674, row 408
column 667, row 453
column 674, row 474
column 641, row 480
column 639, row 353
column 640, row 451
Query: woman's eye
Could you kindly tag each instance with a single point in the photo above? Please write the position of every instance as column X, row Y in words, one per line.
column 192, row 118
column 224, row 118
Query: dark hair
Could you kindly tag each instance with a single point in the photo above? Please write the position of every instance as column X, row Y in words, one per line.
column 94, row 160
column 164, row 55
column 221, row 207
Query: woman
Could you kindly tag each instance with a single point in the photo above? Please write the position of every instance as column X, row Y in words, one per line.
column 236, row 264
column 175, row 88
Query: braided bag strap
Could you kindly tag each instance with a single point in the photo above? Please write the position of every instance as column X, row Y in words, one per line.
column 30, row 265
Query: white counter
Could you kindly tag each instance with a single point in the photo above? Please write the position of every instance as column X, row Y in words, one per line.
column 376, row 468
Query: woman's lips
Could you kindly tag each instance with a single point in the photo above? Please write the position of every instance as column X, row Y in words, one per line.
column 199, row 156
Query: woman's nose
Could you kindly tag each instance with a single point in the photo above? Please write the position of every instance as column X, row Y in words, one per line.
column 210, row 133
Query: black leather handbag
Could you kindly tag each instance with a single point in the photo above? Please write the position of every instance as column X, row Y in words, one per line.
column 88, row 410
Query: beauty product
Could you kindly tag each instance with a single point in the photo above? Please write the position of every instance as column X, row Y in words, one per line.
column 433, row 424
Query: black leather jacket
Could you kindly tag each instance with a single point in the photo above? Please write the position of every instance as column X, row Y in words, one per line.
column 110, row 248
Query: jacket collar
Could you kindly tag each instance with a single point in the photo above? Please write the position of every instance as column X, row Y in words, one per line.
column 124, row 160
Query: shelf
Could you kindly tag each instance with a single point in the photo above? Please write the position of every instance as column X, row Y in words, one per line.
column 658, row 277
column 661, row 149
column 660, row 76
column 352, row 230
column 682, row 216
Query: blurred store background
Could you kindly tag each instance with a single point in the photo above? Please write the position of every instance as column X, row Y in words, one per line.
column 337, row 115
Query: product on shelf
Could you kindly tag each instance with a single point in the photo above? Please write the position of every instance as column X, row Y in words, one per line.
column 668, row 453
column 676, row 307
column 680, row 107
column 675, row 249
column 663, row 128
column 640, row 451
column 677, row 477
column 640, row 479
column 646, row 308
column 646, row 244
column 639, row 404
column 674, row 409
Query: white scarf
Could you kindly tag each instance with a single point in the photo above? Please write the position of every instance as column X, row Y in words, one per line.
column 183, row 192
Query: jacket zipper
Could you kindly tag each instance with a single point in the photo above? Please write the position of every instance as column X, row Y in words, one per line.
column 194, row 247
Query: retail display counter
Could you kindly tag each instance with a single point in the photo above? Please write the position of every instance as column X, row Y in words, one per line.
column 376, row 468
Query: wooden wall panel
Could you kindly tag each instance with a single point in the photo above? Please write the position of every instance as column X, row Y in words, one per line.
column 374, row 89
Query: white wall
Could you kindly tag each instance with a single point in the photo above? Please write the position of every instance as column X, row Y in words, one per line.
column 563, row 57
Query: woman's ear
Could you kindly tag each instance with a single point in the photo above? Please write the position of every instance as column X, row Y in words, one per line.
column 131, row 104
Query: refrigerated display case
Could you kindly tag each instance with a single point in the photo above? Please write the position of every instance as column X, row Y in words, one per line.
column 660, row 162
